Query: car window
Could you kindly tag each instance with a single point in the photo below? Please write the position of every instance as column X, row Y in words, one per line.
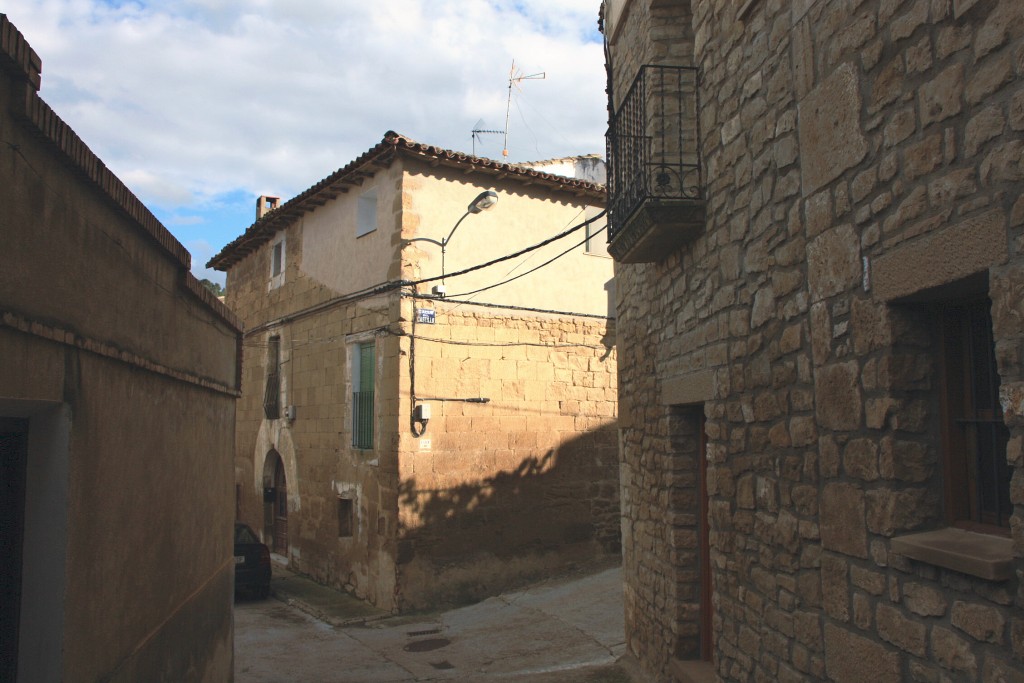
column 244, row 534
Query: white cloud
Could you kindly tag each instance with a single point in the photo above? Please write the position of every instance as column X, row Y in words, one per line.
column 187, row 100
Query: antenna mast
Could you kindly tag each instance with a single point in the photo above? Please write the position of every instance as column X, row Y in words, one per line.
column 515, row 78
column 480, row 128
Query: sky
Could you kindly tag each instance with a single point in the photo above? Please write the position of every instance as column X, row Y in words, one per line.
column 200, row 106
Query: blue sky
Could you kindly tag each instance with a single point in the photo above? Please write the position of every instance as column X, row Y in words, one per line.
column 200, row 106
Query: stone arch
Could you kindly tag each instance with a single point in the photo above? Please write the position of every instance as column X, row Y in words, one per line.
column 275, row 503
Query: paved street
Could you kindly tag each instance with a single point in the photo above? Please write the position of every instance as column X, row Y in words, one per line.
column 568, row 630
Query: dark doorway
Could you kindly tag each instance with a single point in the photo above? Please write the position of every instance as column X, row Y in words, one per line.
column 704, row 553
column 14, row 454
column 276, row 503
column 692, row 554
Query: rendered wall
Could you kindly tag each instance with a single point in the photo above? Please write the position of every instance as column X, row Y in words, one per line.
column 435, row 198
column 125, row 371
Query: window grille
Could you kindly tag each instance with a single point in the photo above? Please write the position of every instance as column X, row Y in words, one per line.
column 362, row 396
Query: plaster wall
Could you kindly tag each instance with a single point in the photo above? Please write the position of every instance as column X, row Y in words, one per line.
column 329, row 237
column 126, row 375
column 434, row 199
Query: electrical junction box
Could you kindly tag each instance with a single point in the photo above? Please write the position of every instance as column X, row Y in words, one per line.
column 422, row 413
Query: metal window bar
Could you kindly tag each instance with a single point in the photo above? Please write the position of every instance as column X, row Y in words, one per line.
column 272, row 396
column 362, row 419
column 985, row 428
column 653, row 143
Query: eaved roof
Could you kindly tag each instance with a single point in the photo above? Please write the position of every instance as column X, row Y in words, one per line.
column 365, row 166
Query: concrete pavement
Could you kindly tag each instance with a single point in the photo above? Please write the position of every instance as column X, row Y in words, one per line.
column 566, row 629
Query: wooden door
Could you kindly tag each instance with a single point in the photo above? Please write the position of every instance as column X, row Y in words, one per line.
column 280, row 509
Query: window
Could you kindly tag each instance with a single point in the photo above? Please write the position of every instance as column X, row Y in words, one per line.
column 345, row 516
column 272, row 392
column 277, row 262
column 362, row 395
column 596, row 237
column 974, row 435
column 366, row 213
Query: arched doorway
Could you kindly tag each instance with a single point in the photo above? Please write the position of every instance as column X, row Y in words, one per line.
column 275, row 504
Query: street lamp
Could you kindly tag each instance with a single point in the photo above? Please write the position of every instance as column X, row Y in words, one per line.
column 483, row 201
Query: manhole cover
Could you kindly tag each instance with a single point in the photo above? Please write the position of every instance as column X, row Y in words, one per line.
column 427, row 645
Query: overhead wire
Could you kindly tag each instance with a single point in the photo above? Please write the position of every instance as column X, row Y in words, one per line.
column 536, row 268
column 384, row 287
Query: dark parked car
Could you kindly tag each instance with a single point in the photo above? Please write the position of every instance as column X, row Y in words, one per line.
column 252, row 562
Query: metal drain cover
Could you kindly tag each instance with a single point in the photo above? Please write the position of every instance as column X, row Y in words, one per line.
column 427, row 645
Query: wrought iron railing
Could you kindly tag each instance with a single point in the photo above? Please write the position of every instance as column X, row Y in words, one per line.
column 653, row 143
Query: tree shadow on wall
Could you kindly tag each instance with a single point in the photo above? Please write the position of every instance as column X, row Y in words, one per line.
column 562, row 502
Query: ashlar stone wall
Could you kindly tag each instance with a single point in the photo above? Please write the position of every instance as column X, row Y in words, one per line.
column 495, row 493
column 859, row 157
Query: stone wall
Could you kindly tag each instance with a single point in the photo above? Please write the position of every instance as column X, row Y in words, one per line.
column 858, row 156
column 496, row 493
column 315, row 447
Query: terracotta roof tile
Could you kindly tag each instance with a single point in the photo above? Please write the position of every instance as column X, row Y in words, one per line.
column 384, row 152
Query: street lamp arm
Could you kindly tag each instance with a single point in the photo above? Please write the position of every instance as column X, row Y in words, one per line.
column 447, row 239
column 427, row 239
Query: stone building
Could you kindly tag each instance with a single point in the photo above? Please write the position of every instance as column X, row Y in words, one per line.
column 413, row 448
column 815, row 208
column 118, row 382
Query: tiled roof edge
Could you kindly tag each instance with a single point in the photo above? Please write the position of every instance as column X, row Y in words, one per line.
column 393, row 143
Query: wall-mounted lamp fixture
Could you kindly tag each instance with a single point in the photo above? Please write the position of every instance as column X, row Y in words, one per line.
column 483, row 201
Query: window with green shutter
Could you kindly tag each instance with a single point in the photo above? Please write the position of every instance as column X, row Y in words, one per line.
column 362, row 395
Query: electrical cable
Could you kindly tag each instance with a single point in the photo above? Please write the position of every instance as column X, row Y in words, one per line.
column 548, row 262
column 509, row 307
column 527, row 250
column 385, row 287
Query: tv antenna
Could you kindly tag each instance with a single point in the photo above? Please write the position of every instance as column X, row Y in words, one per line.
column 515, row 78
column 478, row 129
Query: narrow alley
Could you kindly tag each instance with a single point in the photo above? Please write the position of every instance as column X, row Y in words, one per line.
column 568, row 629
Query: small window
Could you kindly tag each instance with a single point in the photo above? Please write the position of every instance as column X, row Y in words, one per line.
column 596, row 240
column 345, row 517
column 363, row 360
column 974, row 434
column 272, row 391
column 277, row 259
column 366, row 218
column 277, row 262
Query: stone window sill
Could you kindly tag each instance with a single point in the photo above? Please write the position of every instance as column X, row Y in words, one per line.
column 693, row 671
column 981, row 555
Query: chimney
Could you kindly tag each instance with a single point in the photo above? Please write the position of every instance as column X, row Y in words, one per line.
column 265, row 204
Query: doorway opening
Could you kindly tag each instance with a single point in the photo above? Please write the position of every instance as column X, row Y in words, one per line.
column 14, row 457
column 275, row 503
column 689, row 512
